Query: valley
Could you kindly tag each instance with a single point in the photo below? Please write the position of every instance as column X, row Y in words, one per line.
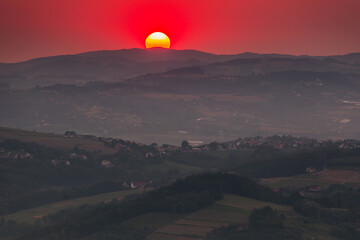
column 130, row 174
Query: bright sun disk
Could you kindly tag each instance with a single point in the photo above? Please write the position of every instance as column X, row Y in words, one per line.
column 157, row 39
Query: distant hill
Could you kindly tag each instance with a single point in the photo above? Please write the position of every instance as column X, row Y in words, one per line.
column 100, row 66
column 115, row 65
column 353, row 58
column 167, row 95
column 184, row 71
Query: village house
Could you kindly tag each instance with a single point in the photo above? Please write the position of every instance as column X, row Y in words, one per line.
column 170, row 148
column 16, row 155
column 78, row 156
column 314, row 188
column 161, row 149
column 55, row 162
column 196, row 149
column 242, row 226
column 119, row 146
column 278, row 146
column 310, row 170
column 194, row 143
column 134, row 185
column 106, row 163
column 70, row 134
column 350, row 144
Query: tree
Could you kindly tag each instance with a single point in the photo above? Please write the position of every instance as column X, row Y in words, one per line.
column 185, row 145
column 265, row 217
column 213, row 146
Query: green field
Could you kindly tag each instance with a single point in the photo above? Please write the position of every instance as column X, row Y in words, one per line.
column 232, row 210
column 154, row 220
column 53, row 140
column 298, row 181
column 324, row 178
column 183, row 167
column 33, row 214
column 249, row 204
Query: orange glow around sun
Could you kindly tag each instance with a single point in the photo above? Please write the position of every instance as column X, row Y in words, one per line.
column 157, row 39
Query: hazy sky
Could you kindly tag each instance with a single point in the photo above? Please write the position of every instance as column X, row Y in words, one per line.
column 36, row 28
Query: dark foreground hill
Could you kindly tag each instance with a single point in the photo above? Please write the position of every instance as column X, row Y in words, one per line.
column 183, row 196
column 116, row 220
column 88, row 187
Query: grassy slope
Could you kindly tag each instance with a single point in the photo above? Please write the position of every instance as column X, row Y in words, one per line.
column 31, row 215
column 53, row 140
column 297, row 181
column 231, row 210
column 58, row 141
column 183, row 167
column 174, row 226
column 324, row 179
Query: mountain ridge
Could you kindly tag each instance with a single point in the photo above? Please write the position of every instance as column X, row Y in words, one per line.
column 119, row 65
column 129, row 50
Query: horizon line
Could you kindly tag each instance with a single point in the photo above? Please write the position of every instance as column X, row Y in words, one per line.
column 170, row 49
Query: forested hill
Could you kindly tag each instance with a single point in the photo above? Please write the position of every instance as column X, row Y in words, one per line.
column 86, row 187
column 183, row 196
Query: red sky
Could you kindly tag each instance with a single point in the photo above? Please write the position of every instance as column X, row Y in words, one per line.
column 36, row 28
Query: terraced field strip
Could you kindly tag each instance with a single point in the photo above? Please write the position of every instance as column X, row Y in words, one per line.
column 339, row 175
column 31, row 215
column 220, row 214
column 53, row 140
column 249, row 204
column 230, row 210
column 298, row 181
column 196, row 225
column 153, row 220
column 185, row 230
column 323, row 179
column 201, row 223
column 218, row 97
column 164, row 236
column 183, row 167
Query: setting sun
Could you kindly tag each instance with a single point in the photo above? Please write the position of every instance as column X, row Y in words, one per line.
column 157, row 39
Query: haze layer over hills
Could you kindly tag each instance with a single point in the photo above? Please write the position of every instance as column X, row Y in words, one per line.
column 167, row 96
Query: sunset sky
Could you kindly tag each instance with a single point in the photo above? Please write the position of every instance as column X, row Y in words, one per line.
column 36, row 28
